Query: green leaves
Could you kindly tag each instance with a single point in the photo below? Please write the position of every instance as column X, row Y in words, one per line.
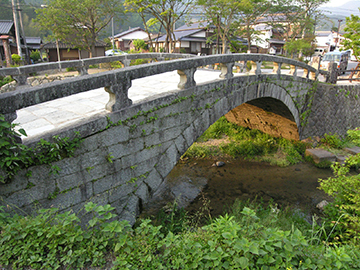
column 53, row 241
column 343, row 215
column 352, row 35
column 15, row 156
column 50, row 240
column 79, row 25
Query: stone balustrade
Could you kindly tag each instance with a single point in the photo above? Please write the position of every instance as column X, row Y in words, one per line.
column 117, row 82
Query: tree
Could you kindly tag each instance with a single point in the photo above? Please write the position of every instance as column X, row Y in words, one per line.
column 352, row 35
column 251, row 13
column 302, row 46
column 295, row 18
column 131, row 6
column 222, row 14
column 77, row 23
column 166, row 12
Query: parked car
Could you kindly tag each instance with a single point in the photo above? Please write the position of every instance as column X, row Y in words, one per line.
column 341, row 58
column 319, row 51
column 114, row 52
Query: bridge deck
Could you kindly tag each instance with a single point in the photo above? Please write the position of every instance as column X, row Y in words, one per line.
column 69, row 110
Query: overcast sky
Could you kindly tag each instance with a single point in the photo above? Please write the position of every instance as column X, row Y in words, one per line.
column 336, row 3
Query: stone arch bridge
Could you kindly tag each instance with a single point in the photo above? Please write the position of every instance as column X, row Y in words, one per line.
column 127, row 154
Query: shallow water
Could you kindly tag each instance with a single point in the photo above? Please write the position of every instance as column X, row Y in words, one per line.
column 295, row 186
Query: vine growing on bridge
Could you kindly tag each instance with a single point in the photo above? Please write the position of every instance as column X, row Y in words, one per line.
column 15, row 156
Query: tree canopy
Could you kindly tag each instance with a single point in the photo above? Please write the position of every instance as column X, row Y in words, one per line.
column 166, row 12
column 352, row 35
column 77, row 23
column 252, row 11
column 222, row 14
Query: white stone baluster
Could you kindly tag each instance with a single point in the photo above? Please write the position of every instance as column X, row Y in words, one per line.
column 277, row 69
column 125, row 62
column 306, row 73
column 118, row 96
column 226, row 70
column 186, row 78
column 293, row 70
column 255, row 68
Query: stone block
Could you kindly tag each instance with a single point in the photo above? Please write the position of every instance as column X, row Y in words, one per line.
column 91, row 159
column 69, row 165
column 320, row 155
column 121, row 192
column 120, row 205
column 28, row 196
column 104, row 184
column 19, row 182
column 154, row 180
column 353, row 150
column 181, row 144
column 190, row 135
column 341, row 159
column 167, row 161
column 115, row 135
column 132, row 205
column 71, row 197
column 143, row 192
column 123, row 149
column 145, row 166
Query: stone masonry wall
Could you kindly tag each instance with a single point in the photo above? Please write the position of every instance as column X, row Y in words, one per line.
column 335, row 109
column 126, row 155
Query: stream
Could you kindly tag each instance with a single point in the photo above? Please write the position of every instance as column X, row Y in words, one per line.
column 295, row 186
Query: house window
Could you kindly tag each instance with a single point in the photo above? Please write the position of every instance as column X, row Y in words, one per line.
column 195, row 47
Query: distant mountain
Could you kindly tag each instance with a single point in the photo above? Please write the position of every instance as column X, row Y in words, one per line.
column 342, row 11
column 334, row 14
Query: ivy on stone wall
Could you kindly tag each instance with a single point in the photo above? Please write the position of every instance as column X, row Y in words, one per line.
column 15, row 156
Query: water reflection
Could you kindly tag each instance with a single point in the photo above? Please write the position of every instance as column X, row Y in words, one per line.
column 295, row 185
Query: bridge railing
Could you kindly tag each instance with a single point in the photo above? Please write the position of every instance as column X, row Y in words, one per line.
column 20, row 74
column 117, row 82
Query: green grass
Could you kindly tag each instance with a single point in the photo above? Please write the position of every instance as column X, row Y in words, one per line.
column 241, row 142
column 246, row 143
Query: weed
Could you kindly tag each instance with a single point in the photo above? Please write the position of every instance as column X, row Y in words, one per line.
column 53, row 195
column 15, row 156
column 109, row 157
column 332, row 140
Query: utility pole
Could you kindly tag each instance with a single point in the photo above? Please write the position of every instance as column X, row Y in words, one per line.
column 27, row 55
column 16, row 29
column 338, row 32
column 112, row 33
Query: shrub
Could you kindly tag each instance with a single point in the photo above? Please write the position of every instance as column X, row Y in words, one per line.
column 68, row 69
column 247, row 143
column 140, row 44
column 15, row 156
column 5, row 80
column 354, row 136
column 332, row 140
column 138, row 62
column 249, row 240
column 343, row 215
column 16, row 58
column 51, row 240
column 35, row 56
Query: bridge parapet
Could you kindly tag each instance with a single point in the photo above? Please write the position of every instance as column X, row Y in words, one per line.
column 20, row 74
column 117, row 82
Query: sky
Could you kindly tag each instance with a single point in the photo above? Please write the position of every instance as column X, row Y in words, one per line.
column 336, row 3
